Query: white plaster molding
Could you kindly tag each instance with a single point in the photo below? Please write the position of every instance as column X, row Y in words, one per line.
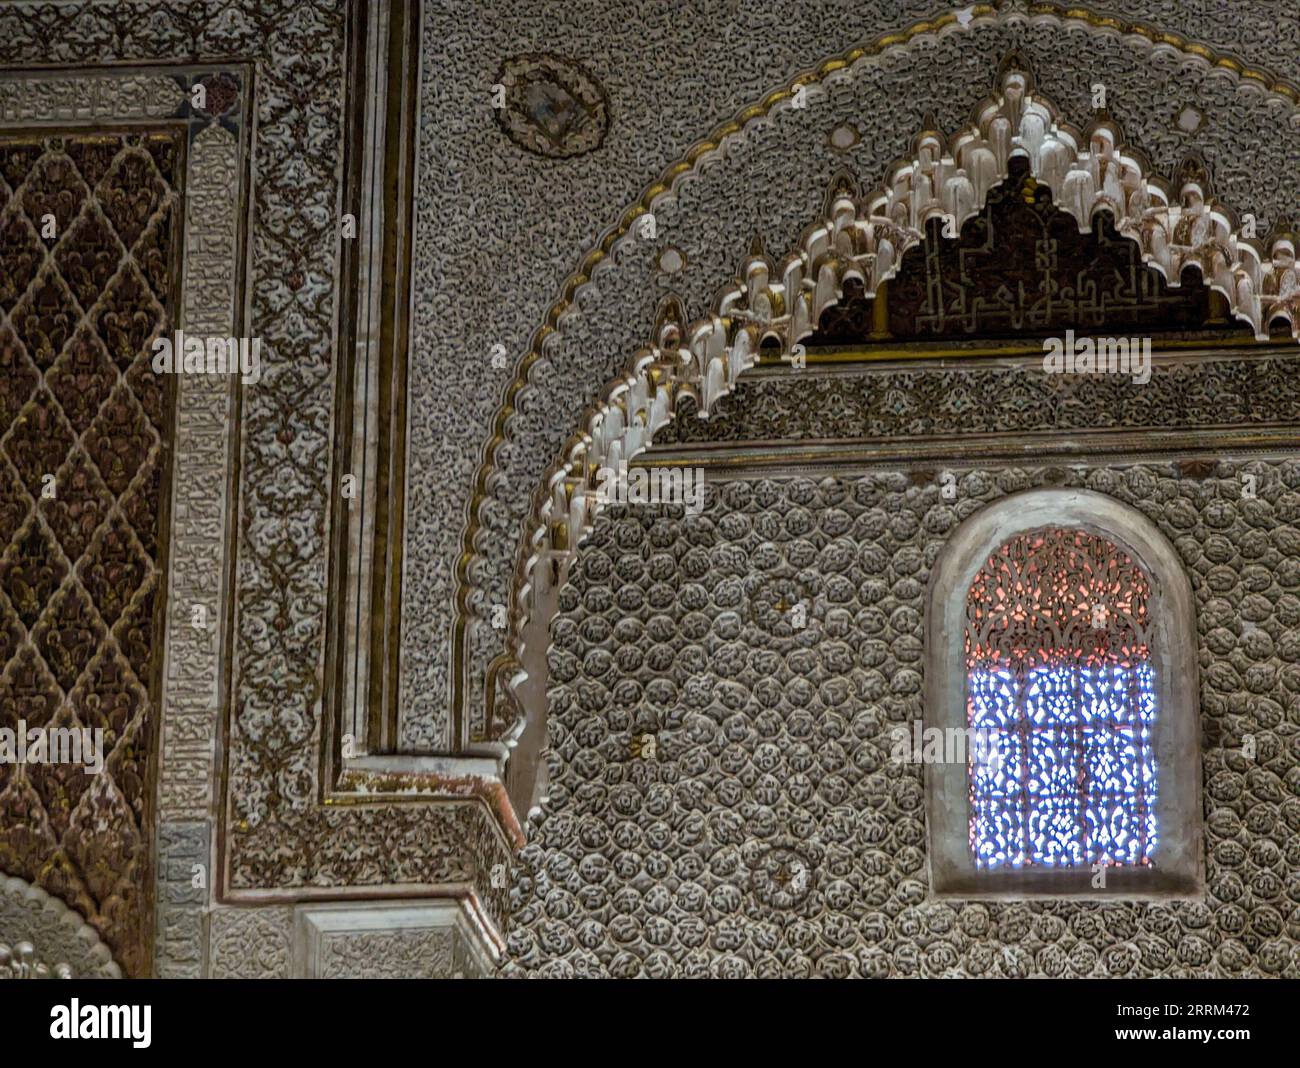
column 865, row 238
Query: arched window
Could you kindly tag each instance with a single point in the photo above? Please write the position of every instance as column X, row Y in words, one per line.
column 1061, row 642
column 1059, row 682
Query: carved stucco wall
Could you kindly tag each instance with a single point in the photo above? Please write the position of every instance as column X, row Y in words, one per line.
column 772, row 743
column 768, row 180
column 478, row 191
column 199, row 430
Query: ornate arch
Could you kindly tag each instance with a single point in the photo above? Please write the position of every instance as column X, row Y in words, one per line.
column 45, row 936
column 863, row 238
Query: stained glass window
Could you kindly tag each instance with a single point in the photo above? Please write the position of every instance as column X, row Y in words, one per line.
column 1061, row 688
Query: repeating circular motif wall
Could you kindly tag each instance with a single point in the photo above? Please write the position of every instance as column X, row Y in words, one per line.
column 768, row 833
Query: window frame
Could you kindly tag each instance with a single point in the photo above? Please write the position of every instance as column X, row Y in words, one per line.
column 1179, row 863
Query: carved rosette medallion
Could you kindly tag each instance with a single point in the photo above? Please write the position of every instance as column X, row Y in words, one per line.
column 220, row 94
column 782, row 876
column 553, row 106
column 782, row 606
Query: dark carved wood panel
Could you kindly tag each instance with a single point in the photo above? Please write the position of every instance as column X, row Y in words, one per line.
column 89, row 231
column 1021, row 268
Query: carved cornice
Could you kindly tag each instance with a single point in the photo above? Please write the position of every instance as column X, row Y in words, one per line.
column 905, row 405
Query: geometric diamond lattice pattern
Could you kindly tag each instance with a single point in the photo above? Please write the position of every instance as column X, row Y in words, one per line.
column 88, row 254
